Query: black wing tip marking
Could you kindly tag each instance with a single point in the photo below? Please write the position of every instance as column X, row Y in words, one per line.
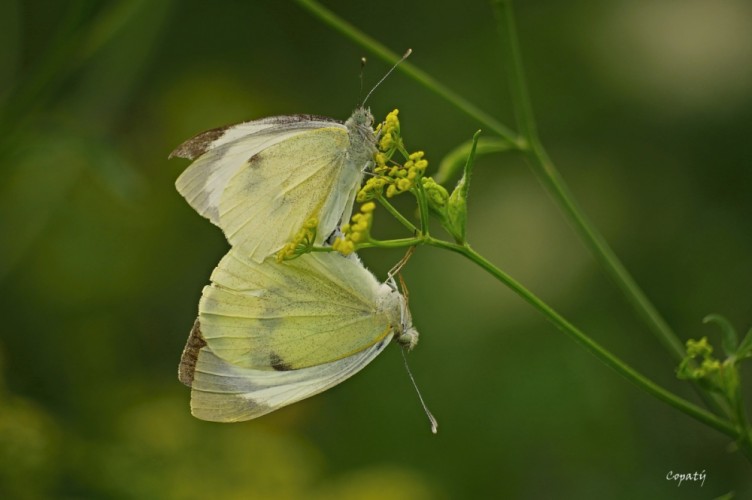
column 199, row 144
column 187, row 366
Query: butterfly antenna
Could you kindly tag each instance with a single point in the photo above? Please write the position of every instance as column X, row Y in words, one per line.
column 362, row 72
column 431, row 418
column 405, row 291
column 407, row 54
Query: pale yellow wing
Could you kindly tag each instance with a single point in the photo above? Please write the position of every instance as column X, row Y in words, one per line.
column 309, row 311
column 219, row 153
column 268, row 200
column 222, row 392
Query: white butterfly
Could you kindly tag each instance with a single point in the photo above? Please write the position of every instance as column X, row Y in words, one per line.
column 260, row 181
column 271, row 334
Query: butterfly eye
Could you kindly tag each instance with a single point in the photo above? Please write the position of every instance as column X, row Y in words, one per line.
column 409, row 337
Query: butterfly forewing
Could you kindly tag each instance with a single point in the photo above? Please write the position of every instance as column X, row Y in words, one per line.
column 261, row 181
column 267, row 201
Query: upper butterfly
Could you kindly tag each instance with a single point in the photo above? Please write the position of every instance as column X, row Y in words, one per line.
column 261, row 181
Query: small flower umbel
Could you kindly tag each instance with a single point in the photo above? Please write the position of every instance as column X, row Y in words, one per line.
column 390, row 177
column 390, row 138
column 301, row 243
column 720, row 376
column 356, row 232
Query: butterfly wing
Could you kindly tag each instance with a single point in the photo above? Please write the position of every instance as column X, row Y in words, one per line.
column 312, row 310
column 282, row 187
column 261, row 181
column 219, row 153
column 223, row 392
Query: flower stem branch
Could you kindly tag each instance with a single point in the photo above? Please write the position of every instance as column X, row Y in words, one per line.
column 551, row 179
column 596, row 349
column 396, row 214
column 413, row 72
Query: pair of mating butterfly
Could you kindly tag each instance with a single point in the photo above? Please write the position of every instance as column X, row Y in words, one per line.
column 271, row 333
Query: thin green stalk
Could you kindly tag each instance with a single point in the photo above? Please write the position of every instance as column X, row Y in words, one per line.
column 398, row 243
column 397, row 215
column 416, row 74
column 745, row 432
column 551, row 179
column 420, row 195
column 589, row 344
column 73, row 45
column 599, row 352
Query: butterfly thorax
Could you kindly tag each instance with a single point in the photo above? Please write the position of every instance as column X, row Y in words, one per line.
column 362, row 138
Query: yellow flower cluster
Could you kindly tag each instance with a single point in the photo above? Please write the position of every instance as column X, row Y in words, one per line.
column 391, row 140
column 396, row 178
column 357, row 231
column 390, row 177
column 301, row 242
column 697, row 348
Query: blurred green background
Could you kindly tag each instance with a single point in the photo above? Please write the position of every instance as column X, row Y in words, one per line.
column 645, row 105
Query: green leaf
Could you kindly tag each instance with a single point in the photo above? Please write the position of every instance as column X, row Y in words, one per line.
column 729, row 339
column 456, row 159
column 745, row 347
column 457, row 203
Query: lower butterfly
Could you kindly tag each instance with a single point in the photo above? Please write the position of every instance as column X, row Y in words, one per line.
column 271, row 334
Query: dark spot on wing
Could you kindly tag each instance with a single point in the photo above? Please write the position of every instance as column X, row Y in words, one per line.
column 278, row 364
column 198, row 145
column 253, row 159
column 187, row 365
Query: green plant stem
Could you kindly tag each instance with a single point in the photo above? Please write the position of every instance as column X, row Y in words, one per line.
column 398, row 243
column 551, row 179
column 596, row 349
column 737, row 432
column 416, row 74
column 745, row 431
column 420, row 195
column 397, row 215
column 589, row 344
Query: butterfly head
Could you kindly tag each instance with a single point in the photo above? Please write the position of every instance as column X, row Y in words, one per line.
column 361, row 119
column 408, row 338
column 362, row 137
column 394, row 305
column 406, row 334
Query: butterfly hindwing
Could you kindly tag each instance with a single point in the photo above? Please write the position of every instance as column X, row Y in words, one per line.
column 312, row 310
column 223, row 392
